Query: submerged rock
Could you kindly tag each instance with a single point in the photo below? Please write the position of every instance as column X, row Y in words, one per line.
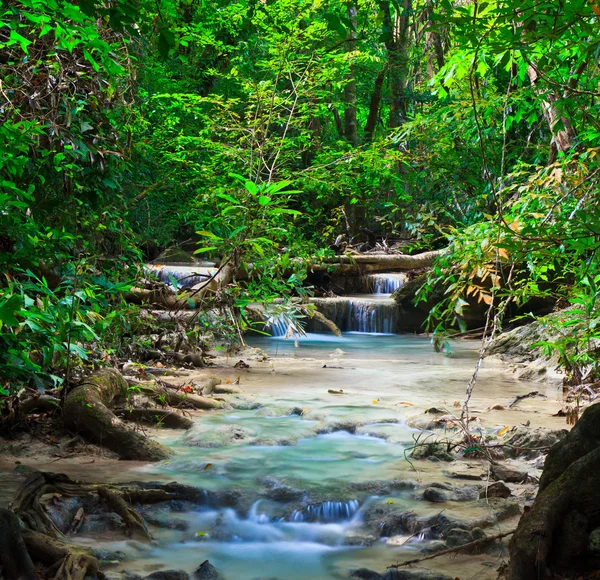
column 399, row 574
column 459, row 537
column 278, row 491
column 168, row 575
column 219, row 437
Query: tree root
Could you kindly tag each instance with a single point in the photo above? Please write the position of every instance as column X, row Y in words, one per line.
column 70, row 562
column 167, row 419
column 86, row 410
column 136, row 527
column 43, row 543
column 326, row 322
column 175, row 398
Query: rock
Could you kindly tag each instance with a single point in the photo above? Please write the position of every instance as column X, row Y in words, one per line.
column 206, row 571
column 508, row 474
column 458, row 537
column 384, row 487
column 400, row 574
column 168, row 575
column 496, row 489
column 429, row 450
column 467, row 473
column 357, row 538
column 572, row 539
column 278, row 491
column 219, row 437
column 594, row 542
column 529, row 440
column 426, row 423
column 440, row 492
column 434, row 411
column 501, row 508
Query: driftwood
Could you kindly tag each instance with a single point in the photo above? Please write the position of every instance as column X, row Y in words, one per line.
column 464, row 548
column 87, row 411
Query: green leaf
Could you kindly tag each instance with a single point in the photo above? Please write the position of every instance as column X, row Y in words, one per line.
column 264, row 200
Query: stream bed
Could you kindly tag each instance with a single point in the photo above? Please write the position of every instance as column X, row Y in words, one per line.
column 308, row 477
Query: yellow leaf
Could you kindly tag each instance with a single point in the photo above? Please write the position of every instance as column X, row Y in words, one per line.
column 208, row 466
column 503, row 431
column 503, row 253
column 486, row 298
column 375, row 401
column 390, row 501
column 201, row 534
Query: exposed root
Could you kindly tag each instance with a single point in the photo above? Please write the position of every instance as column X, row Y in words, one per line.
column 86, row 410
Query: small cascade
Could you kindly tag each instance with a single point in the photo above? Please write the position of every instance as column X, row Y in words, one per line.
column 385, row 283
column 370, row 314
column 328, row 511
column 186, row 276
column 277, row 326
column 371, row 317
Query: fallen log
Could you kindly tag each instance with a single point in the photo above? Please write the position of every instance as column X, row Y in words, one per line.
column 86, row 410
column 175, row 398
column 372, row 263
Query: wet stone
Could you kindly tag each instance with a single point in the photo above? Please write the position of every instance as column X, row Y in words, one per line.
column 594, row 541
column 496, row 489
column 441, row 492
column 431, row 450
column 399, row 574
column 508, row 474
column 168, row 575
column 206, row 571
column 526, row 442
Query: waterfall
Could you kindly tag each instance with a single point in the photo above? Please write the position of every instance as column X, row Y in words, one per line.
column 328, row 511
column 385, row 283
column 186, row 276
column 277, row 326
column 371, row 317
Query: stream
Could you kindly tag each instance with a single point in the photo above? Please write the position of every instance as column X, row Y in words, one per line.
column 307, row 474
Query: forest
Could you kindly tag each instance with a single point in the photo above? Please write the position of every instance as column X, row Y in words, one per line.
column 395, row 202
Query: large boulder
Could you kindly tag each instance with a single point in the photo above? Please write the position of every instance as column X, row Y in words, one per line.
column 555, row 535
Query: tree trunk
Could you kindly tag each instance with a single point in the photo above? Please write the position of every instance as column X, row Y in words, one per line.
column 396, row 43
column 374, row 107
column 562, row 138
column 350, row 125
column 86, row 410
